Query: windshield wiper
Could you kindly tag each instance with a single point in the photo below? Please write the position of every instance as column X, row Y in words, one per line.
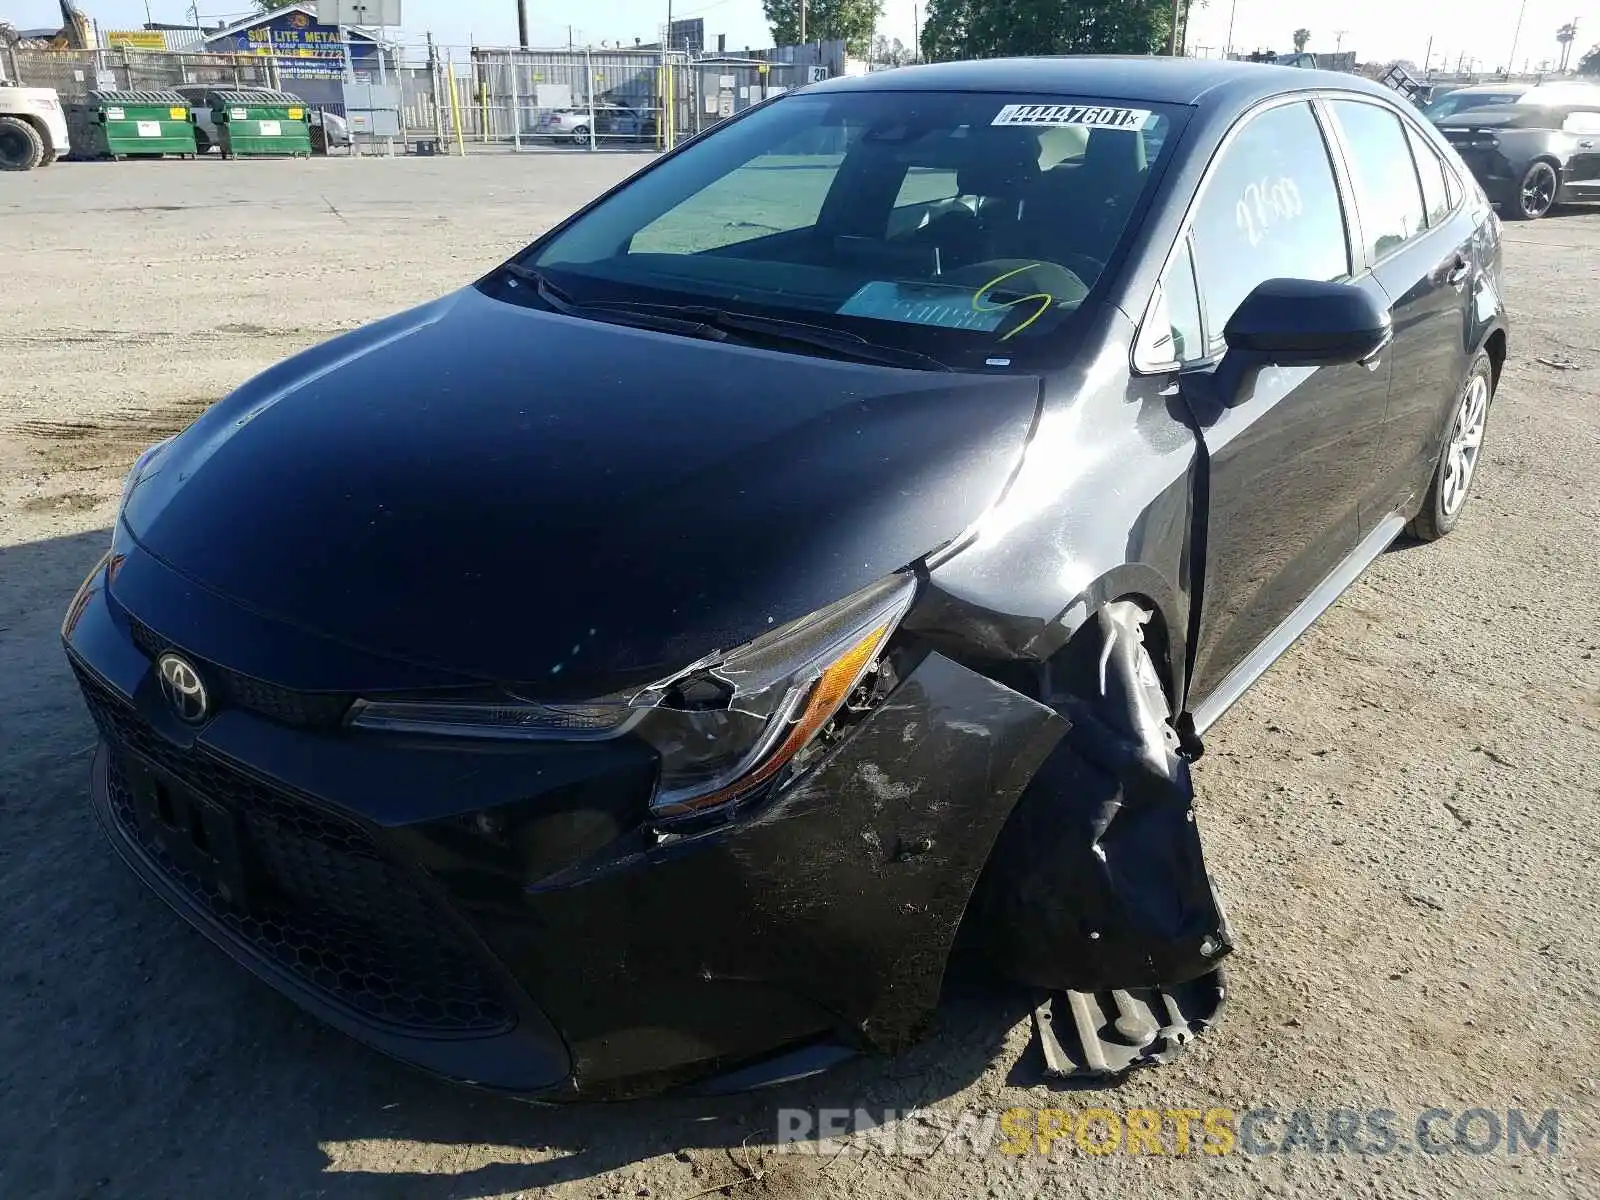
column 798, row 333
column 561, row 301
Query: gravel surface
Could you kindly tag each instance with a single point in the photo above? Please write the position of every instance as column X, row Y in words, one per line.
column 1402, row 812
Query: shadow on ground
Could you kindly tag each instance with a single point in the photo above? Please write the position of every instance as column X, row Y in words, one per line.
column 140, row 1061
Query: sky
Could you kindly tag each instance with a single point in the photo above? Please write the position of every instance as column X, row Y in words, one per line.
column 1376, row 29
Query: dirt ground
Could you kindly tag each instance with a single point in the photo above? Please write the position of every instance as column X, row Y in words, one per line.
column 1402, row 813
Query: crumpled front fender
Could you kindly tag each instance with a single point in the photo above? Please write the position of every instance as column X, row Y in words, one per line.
column 832, row 909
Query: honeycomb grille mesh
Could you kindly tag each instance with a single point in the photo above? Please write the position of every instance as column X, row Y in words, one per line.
column 303, row 710
column 326, row 903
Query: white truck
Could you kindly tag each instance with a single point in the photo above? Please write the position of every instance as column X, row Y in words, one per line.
column 33, row 128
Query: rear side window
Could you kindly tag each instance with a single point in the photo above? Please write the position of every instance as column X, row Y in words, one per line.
column 1270, row 209
column 1387, row 190
column 1435, row 185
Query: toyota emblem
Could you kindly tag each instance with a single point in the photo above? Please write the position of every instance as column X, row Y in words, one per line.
column 180, row 684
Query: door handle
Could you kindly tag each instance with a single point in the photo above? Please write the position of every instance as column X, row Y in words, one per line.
column 1458, row 272
column 1586, row 145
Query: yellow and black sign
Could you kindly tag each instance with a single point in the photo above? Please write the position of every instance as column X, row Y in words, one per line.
column 137, row 39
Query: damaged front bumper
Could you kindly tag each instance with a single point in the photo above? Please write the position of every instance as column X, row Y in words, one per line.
column 510, row 918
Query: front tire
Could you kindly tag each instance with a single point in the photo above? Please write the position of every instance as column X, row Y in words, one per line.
column 580, row 136
column 21, row 147
column 1458, row 457
column 1536, row 193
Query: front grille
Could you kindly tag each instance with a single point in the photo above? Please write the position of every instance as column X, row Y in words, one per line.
column 303, row 710
column 326, row 903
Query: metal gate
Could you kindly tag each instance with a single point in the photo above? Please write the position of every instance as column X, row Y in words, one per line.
column 600, row 99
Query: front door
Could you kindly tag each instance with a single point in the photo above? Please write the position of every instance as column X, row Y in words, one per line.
column 1291, row 463
column 1582, row 174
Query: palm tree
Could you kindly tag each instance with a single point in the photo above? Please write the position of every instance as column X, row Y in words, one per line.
column 1566, row 35
column 1301, row 37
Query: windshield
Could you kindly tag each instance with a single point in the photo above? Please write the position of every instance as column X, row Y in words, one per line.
column 1460, row 101
column 961, row 226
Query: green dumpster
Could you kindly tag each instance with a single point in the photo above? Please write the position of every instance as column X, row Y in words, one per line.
column 123, row 124
column 257, row 122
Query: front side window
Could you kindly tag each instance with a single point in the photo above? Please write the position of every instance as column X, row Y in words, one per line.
column 960, row 225
column 1270, row 209
column 1171, row 333
column 1387, row 190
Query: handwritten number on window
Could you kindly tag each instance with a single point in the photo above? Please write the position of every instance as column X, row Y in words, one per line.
column 1266, row 203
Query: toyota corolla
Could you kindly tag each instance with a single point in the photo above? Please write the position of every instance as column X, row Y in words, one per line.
column 637, row 668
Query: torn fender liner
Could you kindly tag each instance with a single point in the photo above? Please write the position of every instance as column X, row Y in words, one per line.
column 1098, row 881
column 1103, row 1034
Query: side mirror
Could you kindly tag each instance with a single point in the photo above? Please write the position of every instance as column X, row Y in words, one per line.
column 1300, row 323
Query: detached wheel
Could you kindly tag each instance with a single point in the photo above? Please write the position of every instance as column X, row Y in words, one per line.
column 1458, row 459
column 1536, row 194
column 21, row 147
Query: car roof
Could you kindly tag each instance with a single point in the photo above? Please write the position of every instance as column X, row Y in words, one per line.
column 1193, row 81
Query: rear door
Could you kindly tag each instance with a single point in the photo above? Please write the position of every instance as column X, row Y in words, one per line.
column 1420, row 251
column 1290, row 463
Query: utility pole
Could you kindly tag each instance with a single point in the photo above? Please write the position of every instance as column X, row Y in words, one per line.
column 1338, row 40
column 1516, row 34
column 1227, row 45
column 802, row 22
column 522, row 23
column 1172, row 40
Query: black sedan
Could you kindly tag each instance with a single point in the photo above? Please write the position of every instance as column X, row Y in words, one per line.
column 637, row 668
column 1530, row 157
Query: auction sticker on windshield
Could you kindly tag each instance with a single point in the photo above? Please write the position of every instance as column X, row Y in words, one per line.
column 922, row 304
column 1054, row 115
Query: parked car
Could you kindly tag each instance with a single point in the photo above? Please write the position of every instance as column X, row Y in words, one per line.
column 1530, row 157
column 610, row 121
column 636, row 668
column 1499, row 95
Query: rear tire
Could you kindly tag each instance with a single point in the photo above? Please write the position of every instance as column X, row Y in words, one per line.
column 21, row 147
column 580, row 136
column 1536, row 193
column 1459, row 456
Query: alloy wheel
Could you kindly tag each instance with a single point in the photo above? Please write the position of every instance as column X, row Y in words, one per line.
column 1466, row 444
column 1538, row 190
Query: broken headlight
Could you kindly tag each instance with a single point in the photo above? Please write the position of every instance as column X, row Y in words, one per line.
column 723, row 726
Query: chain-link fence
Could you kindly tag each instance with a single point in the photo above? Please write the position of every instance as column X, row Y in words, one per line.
column 76, row 73
column 528, row 98
column 463, row 99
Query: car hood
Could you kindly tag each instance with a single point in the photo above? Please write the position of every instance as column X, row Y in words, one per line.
column 569, row 505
